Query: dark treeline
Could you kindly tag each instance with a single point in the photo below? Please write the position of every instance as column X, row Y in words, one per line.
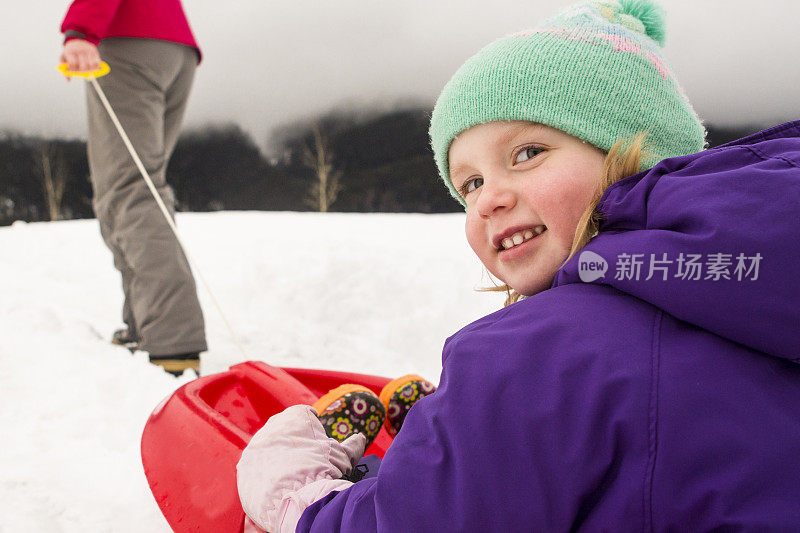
column 340, row 162
column 42, row 179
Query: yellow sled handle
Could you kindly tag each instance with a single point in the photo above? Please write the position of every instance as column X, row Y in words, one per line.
column 88, row 74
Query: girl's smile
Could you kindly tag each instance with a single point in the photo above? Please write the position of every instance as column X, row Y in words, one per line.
column 526, row 186
column 521, row 249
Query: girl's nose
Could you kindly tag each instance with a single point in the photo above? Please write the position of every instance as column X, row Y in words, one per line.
column 494, row 195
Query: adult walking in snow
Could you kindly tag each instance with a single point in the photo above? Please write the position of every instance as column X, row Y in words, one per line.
column 643, row 375
column 152, row 53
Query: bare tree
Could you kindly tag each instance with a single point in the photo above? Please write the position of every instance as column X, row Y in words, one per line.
column 319, row 158
column 50, row 166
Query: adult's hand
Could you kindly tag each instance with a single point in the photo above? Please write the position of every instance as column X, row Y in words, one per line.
column 80, row 54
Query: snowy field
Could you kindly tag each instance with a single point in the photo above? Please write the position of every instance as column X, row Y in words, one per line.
column 373, row 293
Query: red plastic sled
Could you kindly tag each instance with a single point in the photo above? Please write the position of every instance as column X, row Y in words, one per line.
column 194, row 438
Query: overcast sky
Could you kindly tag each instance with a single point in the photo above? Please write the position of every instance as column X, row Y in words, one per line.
column 269, row 62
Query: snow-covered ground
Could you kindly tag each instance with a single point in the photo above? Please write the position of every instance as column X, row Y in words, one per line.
column 374, row 293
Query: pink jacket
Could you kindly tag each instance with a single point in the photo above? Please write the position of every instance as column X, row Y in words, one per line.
column 147, row 19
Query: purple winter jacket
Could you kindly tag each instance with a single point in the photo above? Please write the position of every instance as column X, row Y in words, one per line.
column 624, row 404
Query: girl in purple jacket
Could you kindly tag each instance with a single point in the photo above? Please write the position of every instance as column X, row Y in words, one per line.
column 643, row 374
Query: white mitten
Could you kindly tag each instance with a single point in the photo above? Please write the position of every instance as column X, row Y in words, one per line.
column 289, row 464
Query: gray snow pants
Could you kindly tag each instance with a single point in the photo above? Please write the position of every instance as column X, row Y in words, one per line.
column 148, row 88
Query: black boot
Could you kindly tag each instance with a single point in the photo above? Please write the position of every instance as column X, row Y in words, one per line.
column 124, row 337
column 175, row 364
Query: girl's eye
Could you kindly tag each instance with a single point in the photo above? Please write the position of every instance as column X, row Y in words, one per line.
column 466, row 187
column 527, row 153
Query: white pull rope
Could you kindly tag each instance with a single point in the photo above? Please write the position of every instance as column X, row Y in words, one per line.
column 164, row 209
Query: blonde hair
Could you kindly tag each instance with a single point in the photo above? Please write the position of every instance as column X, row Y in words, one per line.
column 623, row 160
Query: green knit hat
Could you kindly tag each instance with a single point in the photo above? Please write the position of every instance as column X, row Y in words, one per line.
column 594, row 71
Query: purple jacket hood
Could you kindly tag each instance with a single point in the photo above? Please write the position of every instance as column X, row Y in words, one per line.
column 735, row 210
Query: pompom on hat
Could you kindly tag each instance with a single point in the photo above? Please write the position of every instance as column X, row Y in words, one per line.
column 594, row 71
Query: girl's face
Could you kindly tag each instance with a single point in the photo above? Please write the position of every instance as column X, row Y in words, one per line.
column 526, row 185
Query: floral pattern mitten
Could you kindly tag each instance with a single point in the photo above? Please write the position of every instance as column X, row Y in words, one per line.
column 350, row 409
column 399, row 395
